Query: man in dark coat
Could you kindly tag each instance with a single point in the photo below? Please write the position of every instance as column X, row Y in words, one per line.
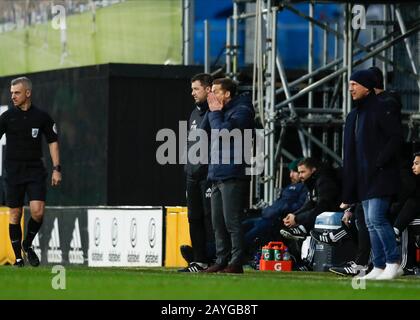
column 372, row 138
column 230, row 118
column 407, row 211
column 198, row 188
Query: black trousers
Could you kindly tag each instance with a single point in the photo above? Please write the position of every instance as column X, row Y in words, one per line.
column 228, row 200
column 199, row 218
column 409, row 211
column 408, row 246
column 406, row 213
column 307, row 219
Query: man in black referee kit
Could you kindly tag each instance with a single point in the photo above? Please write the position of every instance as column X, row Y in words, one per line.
column 24, row 124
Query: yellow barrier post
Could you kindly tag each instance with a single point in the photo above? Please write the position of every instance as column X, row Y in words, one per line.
column 7, row 256
column 177, row 234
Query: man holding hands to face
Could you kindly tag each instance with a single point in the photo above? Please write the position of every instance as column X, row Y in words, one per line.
column 228, row 114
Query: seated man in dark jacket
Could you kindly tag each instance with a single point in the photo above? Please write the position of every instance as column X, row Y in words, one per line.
column 291, row 198
column 323, row 195
column 407, row 210
column 408, row 206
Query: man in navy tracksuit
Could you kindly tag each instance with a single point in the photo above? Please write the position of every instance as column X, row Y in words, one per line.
column 229, row 114
column 292, row 197
column 372, row 138
column 198, row 188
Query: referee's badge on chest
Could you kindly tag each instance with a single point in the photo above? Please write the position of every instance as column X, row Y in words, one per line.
column 35, row 132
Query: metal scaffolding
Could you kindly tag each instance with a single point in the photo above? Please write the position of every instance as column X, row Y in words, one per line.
column 314, row 106
column 276, row 98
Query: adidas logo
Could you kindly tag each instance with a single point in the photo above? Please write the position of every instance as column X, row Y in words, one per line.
column 76, row 252
column 54, row 254
column 208, row 193
column 193, row 125
column 36, row 246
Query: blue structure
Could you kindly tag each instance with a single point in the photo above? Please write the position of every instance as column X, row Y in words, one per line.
column 290, row 28
column 216, row 12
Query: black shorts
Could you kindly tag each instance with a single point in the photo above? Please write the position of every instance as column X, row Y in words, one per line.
column 25, row 178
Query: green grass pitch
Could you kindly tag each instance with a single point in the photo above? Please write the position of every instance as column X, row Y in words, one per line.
column 166, row 284
column 135, row 31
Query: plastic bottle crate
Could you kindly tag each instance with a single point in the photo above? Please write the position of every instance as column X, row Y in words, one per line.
column 275, row 265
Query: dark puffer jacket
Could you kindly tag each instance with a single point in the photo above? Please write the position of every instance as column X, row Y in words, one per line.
column 237, row 114
column 323, row 195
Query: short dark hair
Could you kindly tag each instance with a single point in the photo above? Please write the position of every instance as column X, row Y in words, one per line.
column 416, row 154
column 309, row 163
column 227, row 85
column 24, row 80
column 205, row 79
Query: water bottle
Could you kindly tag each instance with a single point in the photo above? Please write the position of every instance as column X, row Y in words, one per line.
column 286, row 255
column 267, row 253
column 277, row 253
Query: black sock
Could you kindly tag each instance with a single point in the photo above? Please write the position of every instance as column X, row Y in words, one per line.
column 15, row 233
column 33, row 228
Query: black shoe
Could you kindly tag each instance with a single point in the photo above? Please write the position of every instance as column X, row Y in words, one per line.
column 330, row 237
column 187, row 253
column 233, row 268
column 215, row 268
column 194, row 267
column 349, row 269
column 408, row 272
column 417, row 242
column 31, row 256
column 295, row 233
column 19, row 263
column 303, row 265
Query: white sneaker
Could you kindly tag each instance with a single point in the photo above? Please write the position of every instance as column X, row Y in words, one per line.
column 391, row 271
column 376, row 272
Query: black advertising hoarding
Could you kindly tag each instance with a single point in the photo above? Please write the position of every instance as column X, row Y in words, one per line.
column 103, row 113
column 63, row 238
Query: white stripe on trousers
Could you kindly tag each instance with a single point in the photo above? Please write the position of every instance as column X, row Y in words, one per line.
column 339, row 235
column 311, row 250
column 404, row 251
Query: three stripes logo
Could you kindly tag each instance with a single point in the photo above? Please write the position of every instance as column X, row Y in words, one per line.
column 54, row 254
column 193, row 125
column 76, row 252
column 36, row 246
column 208, row 193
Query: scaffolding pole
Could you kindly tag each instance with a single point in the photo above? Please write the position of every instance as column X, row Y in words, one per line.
column 310, row 65
column 188, row 31
column 270, row 102
column 206, row 47
column 333, row 85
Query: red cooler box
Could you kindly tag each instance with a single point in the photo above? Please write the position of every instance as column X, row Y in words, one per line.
column 272, row 257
